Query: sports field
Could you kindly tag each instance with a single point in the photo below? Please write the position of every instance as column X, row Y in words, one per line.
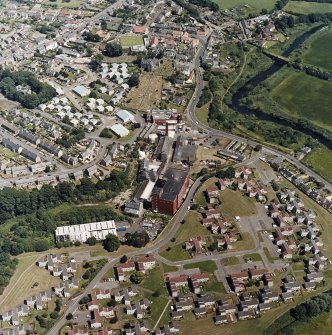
column 303, row 7
column 258, row 4
column 300, row 95
column 128, row 41
column 320, row 50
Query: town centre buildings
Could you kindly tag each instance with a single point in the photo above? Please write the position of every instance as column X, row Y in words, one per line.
column 82, row 232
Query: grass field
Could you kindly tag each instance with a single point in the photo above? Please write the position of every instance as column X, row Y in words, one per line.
column 202, row 113
column 207, row 266
column 322, row 324
column 254, row 257
column 320, row 50
column 258, row 4
column 192, row 227
column 128, row 41
column 154, row 281
column 291, row 92
column 303, row 7
column 21, row 284
column 63, row 4
column 321, row 160
column 147, row 95
column 234, row 203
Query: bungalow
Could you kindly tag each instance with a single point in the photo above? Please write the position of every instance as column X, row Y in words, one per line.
column 244, row 315
column 107, row 312
column 287, row 296
column 220, row 319
column 199, row 311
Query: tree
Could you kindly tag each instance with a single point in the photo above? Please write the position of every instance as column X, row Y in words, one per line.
column 69, row 316
column 84, row 300
column 258, row 147
column 137, row 239
column 111, row 243
column 123, row 259
column 136, row 277
column 91, row 241
column 113, row 50
column 133, row 80
column 54, row 315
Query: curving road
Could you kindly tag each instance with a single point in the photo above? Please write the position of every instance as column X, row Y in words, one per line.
column 191, row 112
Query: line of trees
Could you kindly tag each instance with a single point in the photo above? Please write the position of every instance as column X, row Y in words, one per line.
column 206, row 4
column 40, row 92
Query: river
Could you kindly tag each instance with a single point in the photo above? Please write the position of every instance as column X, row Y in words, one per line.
column 262, row 76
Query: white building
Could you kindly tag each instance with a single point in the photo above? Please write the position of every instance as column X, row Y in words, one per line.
column 82, row 232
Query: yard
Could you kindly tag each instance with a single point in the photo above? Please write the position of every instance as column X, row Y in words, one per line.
column 128, row 41
column 320, row 159
column 304, row 7
column 147, row 95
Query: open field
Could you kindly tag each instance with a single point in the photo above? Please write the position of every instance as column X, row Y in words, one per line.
column 128, row 41
column 202, row 154
column 303, row 7
column 202, row 113
column 21, row 284
column 322, row 324
column 290, row 91
column 63, row 4
column 147, row 95
column 320, row 160
column 233, row 203
column 192, row 227
column 206, row 266
column 320, row 50
column 258, row 4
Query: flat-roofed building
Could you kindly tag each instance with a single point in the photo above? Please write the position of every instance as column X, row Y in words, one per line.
column 82, row 232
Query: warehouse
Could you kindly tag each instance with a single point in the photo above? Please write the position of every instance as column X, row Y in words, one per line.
column 82, row 232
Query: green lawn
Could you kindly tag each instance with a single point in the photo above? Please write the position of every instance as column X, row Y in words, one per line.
column 177, row 253
column 258, row 4
column 234, row 203
column 303, row 96
column 128, row 41
column 320, row 50
column 169, row 268
column 202, row 113
column 303, row 7
column 320, row 160
column 154, row 281
column 157, row 307
column 233, row 260
column 207, row 266
column 191, row 227
column 254, row 257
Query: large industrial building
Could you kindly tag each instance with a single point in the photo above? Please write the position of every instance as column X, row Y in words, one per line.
column 169, row 190
column 82, row 232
